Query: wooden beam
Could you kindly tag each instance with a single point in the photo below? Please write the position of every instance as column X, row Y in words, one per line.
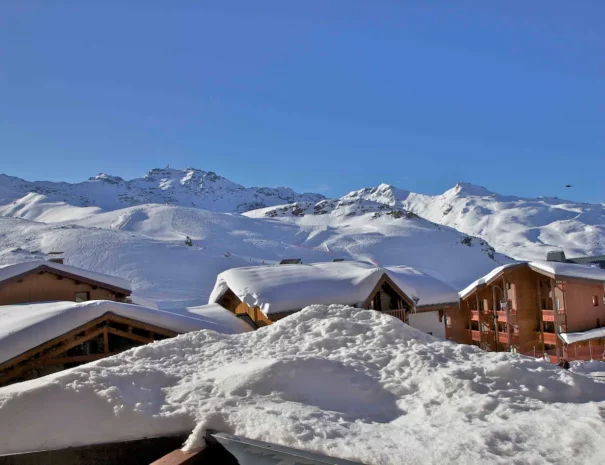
column 105, row 340
column 51, row 343
column 179, row 457
column 18, row 371
column 140, row 325
column 76, row 359
column 126, row 335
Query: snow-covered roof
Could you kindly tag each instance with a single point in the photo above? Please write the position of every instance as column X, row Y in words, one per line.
column 11, row 271
column 570, row 338
column 25, row 326
column 485, row 279
column 346, row 382
column 283, row 288
column 556, row 269
column 569, row 270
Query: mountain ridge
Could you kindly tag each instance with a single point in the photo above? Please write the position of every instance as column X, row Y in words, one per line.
column 523, row 228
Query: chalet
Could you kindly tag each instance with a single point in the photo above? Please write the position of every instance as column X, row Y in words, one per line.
column 43, row 281
column 544, row 308
column 264, row 294
column 42, row 338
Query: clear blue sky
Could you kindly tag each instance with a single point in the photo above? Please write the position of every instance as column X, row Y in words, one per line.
column 315, row 95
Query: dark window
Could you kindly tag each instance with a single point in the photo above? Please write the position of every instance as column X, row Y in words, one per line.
column 82, row 296
column 595, row 300
column 598, row 322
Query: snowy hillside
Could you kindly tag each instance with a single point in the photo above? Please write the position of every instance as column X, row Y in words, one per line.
column 519, row 227
column 525, row 229
column 52, row 201
column 345, row 382
column 146, row 244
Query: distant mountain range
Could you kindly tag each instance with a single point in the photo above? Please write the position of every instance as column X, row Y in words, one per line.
column 186, row 188
column 136, row 229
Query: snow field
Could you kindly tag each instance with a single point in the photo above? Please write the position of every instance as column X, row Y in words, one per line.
column 347, row 382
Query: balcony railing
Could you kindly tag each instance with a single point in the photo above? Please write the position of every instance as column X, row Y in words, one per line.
column 400, row 314
column 475, row 335
column 550, row 338
column 504, row 339
column 510, row 318
column 548, row 315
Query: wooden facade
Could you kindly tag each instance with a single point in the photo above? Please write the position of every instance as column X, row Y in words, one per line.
column 386, row 297
column 44, row 284
column 522, row 309
column 102, row 337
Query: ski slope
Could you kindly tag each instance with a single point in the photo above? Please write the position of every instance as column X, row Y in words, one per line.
column 145, row 244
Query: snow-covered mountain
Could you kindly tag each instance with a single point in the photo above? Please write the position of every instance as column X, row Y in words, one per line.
column 136, row 229
column 519, row 227
column 145, row 242
column 54, row 201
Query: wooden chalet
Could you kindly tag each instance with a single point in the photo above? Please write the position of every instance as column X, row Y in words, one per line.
column 42, row 338
column 43, row 281
column 265, row 294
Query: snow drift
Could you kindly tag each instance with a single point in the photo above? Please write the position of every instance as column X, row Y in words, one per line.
column 343, row 381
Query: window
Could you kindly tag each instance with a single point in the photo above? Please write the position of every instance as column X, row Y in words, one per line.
column 82, row 296
column 598, row 322
column 595, row 300
column 508, row 286
column 557, row 308
column 448, row 322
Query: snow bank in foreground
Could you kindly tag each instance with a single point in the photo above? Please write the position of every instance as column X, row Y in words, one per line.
column 347, row 382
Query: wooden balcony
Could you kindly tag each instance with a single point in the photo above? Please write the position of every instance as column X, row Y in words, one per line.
column 550, row 338
column 548, row 315
column 480, row 316
column 400, row 314
column 504, row 339
column 475, row 335
column 511, row 318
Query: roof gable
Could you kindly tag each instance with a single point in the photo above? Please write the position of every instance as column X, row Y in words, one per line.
column 287, row 288
column 9, row 273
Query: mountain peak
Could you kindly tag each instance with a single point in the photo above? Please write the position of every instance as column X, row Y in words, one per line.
column 466, row 188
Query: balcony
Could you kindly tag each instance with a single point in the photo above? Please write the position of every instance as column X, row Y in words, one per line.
column 481, row 315
column 503, row 338
column 548, row 315
column 475, row 335
column 511, row 318
column 550, row 338
column 400, row 314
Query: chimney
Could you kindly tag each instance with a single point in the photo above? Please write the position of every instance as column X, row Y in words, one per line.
column 556, row 256
column 290, row 261
column 55, row 257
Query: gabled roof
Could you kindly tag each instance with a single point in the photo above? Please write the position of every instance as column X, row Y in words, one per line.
column 17, row 270
column 556, row 270
column 285, row 288
column 26, row 326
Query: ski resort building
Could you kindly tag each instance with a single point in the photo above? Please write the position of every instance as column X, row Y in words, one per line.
column 262, row 295
column 43, row 281
column 543, row 308
column 38, row 339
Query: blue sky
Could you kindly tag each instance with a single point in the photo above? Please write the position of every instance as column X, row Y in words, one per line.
column 316, row 95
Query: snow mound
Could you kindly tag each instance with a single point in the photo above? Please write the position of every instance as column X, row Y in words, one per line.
column 346, row 382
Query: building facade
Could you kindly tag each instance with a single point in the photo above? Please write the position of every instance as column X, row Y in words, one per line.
column 530, row 308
